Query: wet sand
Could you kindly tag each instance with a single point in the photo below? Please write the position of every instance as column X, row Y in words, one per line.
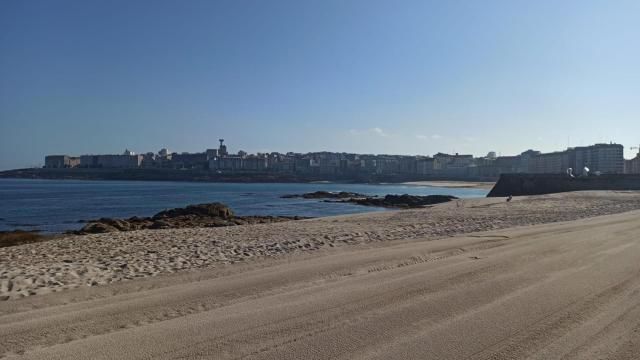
column 547, row 277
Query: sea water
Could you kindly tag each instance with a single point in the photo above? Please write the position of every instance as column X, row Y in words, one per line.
column 60, row 205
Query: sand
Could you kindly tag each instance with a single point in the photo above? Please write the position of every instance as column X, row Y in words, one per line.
column 454, row 184
column 542, row 278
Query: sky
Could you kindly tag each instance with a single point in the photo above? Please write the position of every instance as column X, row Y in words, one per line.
column 397, row 77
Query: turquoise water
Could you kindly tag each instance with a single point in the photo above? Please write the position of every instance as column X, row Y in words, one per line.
column 58, row 205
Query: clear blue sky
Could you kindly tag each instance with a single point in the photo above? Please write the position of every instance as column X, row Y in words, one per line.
column 403, row 77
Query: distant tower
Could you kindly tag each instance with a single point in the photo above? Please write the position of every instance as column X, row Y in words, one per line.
column 222, row 151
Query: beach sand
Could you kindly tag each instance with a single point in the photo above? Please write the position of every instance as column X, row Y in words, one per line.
column 454, row 184
column 545, row 277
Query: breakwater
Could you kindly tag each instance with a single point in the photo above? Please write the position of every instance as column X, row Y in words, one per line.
column 538, row 184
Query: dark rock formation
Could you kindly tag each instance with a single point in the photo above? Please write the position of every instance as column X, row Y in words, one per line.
column 160, row 224
column 202, row 210
column 538, row 184
column 391, row 201
column 402, row 201
column 325, row 195
column 19, row 237
column 202, row 215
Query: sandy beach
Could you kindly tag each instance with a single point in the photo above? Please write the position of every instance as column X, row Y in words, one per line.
column 544, row 277
column 454, row 184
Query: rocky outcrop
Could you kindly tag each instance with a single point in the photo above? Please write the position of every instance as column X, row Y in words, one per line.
column 216, row 210
column 19, row 237
column 402, row 201
column 202, row 215
column 325, row 195
column 390, row 201
column 539, row 184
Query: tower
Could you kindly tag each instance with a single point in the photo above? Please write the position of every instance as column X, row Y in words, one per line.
column 222, row 150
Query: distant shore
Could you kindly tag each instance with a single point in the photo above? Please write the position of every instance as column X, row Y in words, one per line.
column 204, row 175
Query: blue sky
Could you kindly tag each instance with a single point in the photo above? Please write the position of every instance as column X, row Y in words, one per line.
column 402, row 77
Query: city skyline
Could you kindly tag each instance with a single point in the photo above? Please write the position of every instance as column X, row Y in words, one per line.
column 630, row 151
column 236, row 149
column 359, row 77
column 597, row 158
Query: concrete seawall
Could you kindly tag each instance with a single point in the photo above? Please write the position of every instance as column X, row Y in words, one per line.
column 538, row 184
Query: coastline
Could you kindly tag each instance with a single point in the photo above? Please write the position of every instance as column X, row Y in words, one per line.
column 142, row 174
column 86, row 200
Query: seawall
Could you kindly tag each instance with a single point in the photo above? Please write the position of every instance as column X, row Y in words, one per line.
column 538, row 184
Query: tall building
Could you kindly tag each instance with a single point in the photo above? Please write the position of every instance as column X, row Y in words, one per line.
column 189, row 161
column 426, row 166
column 111, row 161
column 550, row 163
column 447, row 161
column 603, row 158
column 632, row 166
column 222, row 150
column 598, row 158
column 61, row 161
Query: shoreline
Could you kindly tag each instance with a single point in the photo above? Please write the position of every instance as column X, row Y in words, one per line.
column 246, row 199
column 453, row 184
column 200, row 176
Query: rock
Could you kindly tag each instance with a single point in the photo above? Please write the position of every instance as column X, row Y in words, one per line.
column 395, row 201
column 121, row 225
column 202, row 215
column 160, row 224
column 207, row 210
column 6, row 286
column 325, row 195
column 403, row 201
column 97, row 228
column 19, row 237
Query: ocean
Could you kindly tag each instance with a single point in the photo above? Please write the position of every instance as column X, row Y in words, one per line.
column 53, row 206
